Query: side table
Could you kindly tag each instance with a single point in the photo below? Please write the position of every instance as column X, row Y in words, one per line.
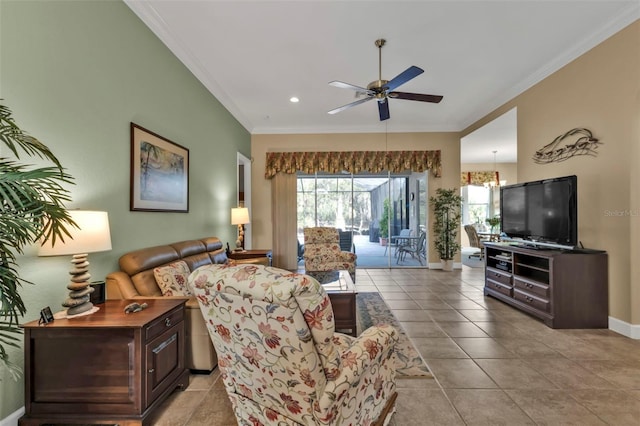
column 107, row 367
column 262, row 256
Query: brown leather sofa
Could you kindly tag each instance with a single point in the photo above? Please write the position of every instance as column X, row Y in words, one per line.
column 136, row 280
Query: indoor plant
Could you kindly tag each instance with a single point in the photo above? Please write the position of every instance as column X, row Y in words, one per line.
column 384, row 222
column 446, row 209
column 31, row 208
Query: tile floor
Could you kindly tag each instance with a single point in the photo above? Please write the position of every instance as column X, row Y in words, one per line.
column 493, row 365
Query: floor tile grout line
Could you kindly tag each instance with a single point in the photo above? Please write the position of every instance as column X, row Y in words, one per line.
column 442, row 389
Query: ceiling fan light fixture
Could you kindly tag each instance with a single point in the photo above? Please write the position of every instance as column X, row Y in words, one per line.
column 381, row 89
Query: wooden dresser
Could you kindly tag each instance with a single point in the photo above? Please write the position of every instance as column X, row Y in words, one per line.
column 105, row 368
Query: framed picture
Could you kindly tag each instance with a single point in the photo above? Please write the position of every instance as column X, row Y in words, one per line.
column 159, row 173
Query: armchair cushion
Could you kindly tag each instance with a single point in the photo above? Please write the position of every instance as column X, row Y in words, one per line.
column 280, row 358
column 172, row 279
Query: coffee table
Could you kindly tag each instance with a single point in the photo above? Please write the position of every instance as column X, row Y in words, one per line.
column 342, row 294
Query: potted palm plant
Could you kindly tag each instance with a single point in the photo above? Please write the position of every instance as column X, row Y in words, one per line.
column 31, row 208
column 446, row 209
column 384, row 222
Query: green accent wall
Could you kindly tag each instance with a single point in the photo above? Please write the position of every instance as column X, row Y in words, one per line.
column 75, row 74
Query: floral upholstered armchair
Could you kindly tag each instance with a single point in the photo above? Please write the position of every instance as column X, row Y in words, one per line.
column 281, row 360
column 322, row 251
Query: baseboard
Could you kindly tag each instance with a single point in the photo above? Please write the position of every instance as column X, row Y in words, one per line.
column 12, row 419
column 438, row 265
column 624, row 328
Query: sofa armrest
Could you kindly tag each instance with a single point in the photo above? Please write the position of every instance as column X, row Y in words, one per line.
column 347, row 256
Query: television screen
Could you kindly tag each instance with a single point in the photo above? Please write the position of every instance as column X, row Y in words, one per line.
column 543, row 211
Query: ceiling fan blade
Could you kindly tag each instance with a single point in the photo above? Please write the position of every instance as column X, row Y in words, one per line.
column 415, row 97
column 352, row 104
column 383, row 109
column 358, row 89
column 403, row 77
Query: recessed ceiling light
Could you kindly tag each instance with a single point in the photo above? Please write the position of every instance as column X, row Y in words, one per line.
column 294, row 99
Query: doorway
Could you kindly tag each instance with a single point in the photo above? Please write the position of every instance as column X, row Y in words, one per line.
column 244, row 193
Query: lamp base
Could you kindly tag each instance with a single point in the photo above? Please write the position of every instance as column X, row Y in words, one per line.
column 80, row 290
column 93, row 310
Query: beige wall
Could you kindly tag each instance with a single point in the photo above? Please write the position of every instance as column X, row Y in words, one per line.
column 447, row 143
column 600, row 91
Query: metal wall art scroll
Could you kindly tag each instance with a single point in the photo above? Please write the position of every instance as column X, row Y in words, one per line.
column 583, row 144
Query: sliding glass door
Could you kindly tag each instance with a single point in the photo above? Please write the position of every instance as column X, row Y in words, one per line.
column 355, row 204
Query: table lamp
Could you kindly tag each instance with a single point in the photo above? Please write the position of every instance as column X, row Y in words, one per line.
column 240, row 217
column 92, row 235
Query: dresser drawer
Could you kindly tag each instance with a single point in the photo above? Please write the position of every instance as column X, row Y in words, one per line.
column 499, row 287
column 534, row 288
column 534, row 302
column 164, row 322
column 498, row 276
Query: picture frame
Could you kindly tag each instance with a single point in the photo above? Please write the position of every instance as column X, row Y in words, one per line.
column 159, row 173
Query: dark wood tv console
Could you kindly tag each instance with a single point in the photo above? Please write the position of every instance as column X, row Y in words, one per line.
column 564, row 288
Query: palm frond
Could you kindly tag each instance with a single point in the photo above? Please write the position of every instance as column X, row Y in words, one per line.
column 14, row 138
column 31, row 208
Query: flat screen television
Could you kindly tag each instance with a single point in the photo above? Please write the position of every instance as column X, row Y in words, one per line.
column 544, row 211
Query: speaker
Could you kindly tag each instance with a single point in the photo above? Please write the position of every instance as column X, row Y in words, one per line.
column 98, row 295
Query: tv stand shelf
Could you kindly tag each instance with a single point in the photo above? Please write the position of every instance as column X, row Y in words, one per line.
column 565, row 289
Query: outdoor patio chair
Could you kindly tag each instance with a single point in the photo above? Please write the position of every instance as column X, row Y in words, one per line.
column 417, row 249
column 346, row 241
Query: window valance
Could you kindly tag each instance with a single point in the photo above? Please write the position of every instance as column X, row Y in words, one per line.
column 479, row 178
column 352, row 162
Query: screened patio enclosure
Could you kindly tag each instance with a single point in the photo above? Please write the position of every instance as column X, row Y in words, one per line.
column 354, row 204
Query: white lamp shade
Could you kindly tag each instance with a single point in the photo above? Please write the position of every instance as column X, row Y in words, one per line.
column 239, row 216
column 92, row 235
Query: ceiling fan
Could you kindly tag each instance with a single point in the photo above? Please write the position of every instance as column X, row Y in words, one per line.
column 382, row 90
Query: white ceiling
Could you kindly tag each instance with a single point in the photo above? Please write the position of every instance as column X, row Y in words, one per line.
column 500, row 135
column 254, row 55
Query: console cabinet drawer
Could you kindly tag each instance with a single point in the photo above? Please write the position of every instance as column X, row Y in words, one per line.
column 164, row 323
column 533, row 287
column 499, row 276
column 539, row 304
column 499, row 287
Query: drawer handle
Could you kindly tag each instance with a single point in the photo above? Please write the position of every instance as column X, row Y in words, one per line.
column 151, row 370
column 167, row 322
column 529, row 285
column 528, row 299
